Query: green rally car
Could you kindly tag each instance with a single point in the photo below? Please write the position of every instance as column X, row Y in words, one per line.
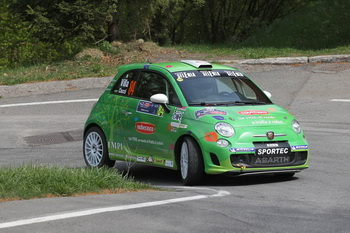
column 195, row 117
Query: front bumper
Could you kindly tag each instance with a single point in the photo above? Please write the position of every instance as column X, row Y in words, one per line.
column 250, row 163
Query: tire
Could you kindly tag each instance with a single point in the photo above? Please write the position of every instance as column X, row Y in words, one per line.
column 95, row 149
column 191, row 162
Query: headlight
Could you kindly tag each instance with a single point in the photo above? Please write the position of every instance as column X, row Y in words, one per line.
column 222, row 143
column 296, row 126
column 224, row 129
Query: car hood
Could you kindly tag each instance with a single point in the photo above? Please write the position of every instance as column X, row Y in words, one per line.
column 261, row 115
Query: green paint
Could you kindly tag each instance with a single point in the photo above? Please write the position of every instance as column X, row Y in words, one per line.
column 138, row 130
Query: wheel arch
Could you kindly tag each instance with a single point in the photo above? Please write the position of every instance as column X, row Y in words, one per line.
column 89, row 126
column 177, row 148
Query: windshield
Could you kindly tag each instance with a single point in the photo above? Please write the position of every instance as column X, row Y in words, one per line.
column 219, row 87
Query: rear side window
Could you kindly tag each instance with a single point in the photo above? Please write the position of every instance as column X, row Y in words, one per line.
column 150, row 83
column 126, row 84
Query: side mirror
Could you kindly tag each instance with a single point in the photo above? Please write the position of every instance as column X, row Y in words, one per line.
column 268, row 94
column 161, row 99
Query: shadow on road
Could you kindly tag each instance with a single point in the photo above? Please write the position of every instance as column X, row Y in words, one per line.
column 166, row 177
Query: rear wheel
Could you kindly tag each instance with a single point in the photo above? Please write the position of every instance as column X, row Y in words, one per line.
column 95, row 149
column 191, row 162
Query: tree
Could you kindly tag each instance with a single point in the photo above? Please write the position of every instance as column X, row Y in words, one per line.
column 57, row 21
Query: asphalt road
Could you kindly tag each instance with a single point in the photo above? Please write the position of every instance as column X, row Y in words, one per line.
column 316, row 200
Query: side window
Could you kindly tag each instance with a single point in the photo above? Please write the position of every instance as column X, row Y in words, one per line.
column 126, row 84
column 245, row 90
column 150, row 83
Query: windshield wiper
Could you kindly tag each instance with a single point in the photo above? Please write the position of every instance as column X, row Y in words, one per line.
column 240, row 102
column 253, row 102
column 200, row 104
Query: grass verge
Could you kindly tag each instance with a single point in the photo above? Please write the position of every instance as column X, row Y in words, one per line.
column 250, row 52
column 27, row 182
column 109, row 63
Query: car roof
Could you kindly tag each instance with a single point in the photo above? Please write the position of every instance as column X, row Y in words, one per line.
column 183, row 65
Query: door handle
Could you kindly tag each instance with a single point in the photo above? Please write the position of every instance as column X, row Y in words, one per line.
column 126, row 113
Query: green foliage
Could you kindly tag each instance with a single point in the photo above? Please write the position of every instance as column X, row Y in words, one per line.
column 107, row 48
column 57, row 21
column 36, row 31
column 320, row 25
column 37, row 181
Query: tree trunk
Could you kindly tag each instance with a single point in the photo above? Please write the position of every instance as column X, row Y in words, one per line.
column 113, row 33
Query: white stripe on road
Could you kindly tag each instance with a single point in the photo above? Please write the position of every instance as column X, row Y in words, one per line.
column 220, row 193
column 340, row 100
column 48, row 102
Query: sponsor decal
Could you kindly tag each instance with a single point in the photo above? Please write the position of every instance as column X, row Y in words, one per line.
column 272, row 160
column 141, row 159
column 127, row 87
column 132, row 86
column 159, row 161
column 232, row 73
column 118, row 155
column 150, row 108
column 130, row 157
column 169, row 66
column 150, row 159
column 264, row 122
column 206, row 73
column 115, row 145
column 177, row 115
column 273, row 151
column 172, row 128
column 124, row 83
column 253, row 117
column 179, row 79
column 219, row 118
column 210, row 73
column 211, row 137
column 178, row 125
column 182, row 75
column 169, row 163
column 148, row 141
column 172, row 146
column 208, row 111
column 272, row 109
column 253, row 112
column 243, row 149
column 300, row 147
column 145, row 127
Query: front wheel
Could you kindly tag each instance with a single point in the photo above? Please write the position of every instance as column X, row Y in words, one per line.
column 191, row 162
column 95, row 149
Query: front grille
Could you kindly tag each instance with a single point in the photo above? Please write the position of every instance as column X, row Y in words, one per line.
column 295, row 158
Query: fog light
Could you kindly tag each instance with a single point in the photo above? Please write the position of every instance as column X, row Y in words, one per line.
column 222, row 143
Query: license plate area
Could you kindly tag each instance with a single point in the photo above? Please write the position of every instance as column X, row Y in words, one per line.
column 271, row 153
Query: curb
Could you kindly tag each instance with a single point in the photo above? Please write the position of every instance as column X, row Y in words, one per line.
column 53, row 87
column 291, row 60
